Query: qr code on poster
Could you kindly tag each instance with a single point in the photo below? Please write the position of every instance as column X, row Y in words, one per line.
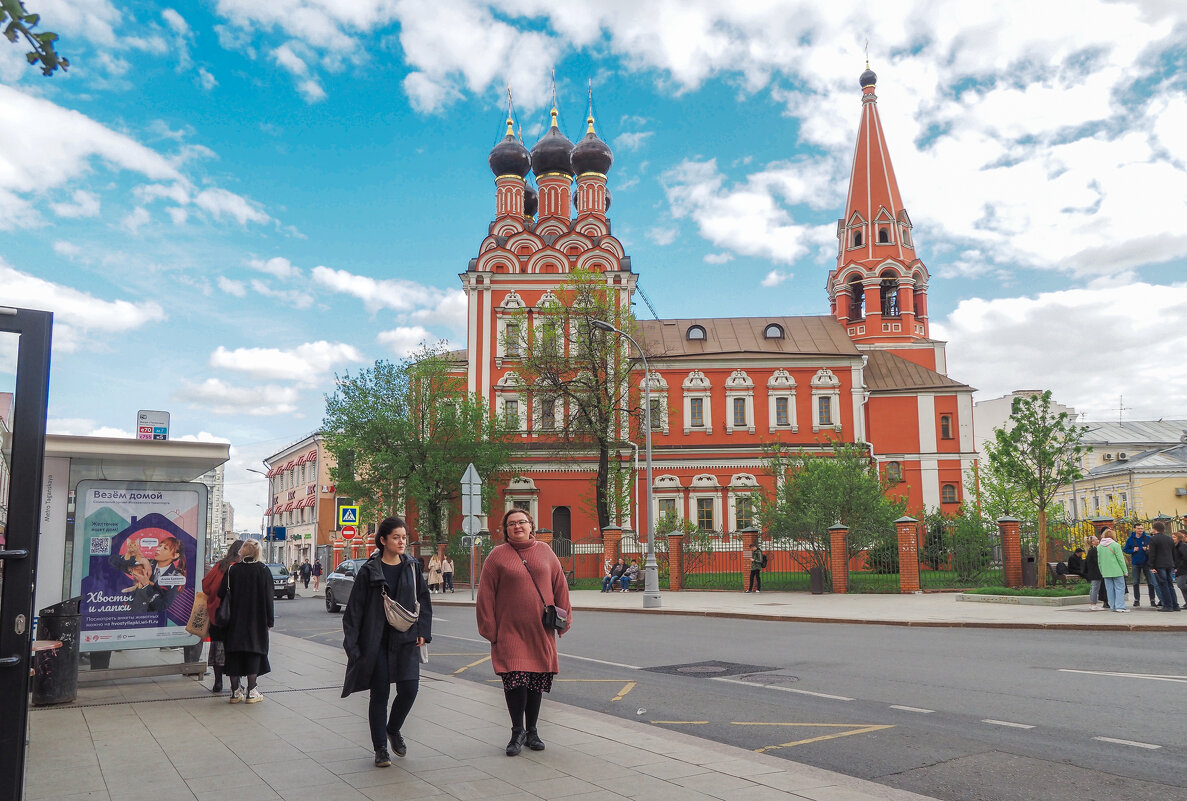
column 100, row 546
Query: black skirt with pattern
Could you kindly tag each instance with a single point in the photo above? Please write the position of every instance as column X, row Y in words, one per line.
column 536, row 682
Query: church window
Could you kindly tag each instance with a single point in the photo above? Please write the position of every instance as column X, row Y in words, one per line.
column 656, row 414
column 666, row 507
column 698, row 403
column 512, row 346
column 857, row 298
column 906, row 236
column 744, row 512
column 511, row 411
column 773, row 331
column 883, row 235
column 894, row 472
column 696, row 332
column 857, row 239
column 889, row 292
column 945, row 426
column 547, row 414
column 696, row 408
column 740, row 412
column 948, row 493
column 824, row 410
column 705, row 514
column 781, row 414
column 522, row 505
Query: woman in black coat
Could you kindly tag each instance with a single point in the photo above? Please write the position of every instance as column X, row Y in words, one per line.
column 248, row 589
column 1093, row 575
column 377, row 653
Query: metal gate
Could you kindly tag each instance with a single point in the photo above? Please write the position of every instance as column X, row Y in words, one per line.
column 788, row 562
column 713, row 561
column 873, row 562
column 632, row 547
column 563, row 548
column 959, row 553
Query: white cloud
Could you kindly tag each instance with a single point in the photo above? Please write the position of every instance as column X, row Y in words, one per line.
column 222, row 398
column 718, row 258
column 219, row 202
column 78, row 316
column 390, row 293
column 306, row 364
column 775, row 278
column 206, row 80
column 664, row 235
column 135, row 220
column 277, row 267
column 633, row 140
column 404, row 340
column 1087, row 345
column 449, row 313
column 83, row 204
column 232, row 287
column 67, row 249
column 290, row 297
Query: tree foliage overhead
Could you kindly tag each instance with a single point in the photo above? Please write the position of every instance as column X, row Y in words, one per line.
column 1037, row 451
column 405, row 432
column 20, row 25
column 816, row 491
column 583, row 374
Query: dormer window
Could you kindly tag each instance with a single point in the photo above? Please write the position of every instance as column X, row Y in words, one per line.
column 773, row 331
column 696, row 332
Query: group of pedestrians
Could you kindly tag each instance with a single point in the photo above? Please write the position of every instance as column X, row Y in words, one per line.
column 617, row 577
column 439, row 573
column 1160, row 558
column 239, row 646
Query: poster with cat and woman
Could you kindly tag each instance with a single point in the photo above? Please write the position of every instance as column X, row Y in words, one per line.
column 138, row 557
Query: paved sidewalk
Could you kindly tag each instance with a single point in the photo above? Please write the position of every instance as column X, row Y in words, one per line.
column 170, row 739
column 927, row 609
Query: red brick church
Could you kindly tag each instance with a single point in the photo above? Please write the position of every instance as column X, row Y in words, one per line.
column 867, row 371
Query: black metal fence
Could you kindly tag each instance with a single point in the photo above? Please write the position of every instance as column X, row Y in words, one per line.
column 713, row 561
column 875, row 568
column 960, row 553
column 634, row 547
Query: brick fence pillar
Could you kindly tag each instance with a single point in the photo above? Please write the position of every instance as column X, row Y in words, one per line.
column 544, row 535
column 676, row 560
column 838, row 557
column 1009, row 528
column 612, row 542
column 749, row 540
column 907, row 531
column 1099, row 524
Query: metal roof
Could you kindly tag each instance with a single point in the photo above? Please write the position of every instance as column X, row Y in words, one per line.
column 1135, row 432
column 1170, row 458
column 886, row 371
column 816, row 336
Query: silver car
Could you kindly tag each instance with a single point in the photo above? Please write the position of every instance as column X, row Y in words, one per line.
column 340, row 583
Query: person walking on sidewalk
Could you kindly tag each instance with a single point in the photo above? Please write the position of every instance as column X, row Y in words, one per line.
column 447, row 574
column 306, row 572
column 519, row 578
column 211, row 583
column 1137, row 545
column 1180, row 538
column 1111, row 559
column 249, row 590
column 377, row 654
column 1093, row 576
column 316, row 573
column 758, row 560
column 1162, row 563
column 435, row 573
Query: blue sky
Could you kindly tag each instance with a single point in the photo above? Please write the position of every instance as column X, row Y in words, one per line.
column 225, row 203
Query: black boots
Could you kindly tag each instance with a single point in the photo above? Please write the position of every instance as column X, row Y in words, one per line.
column 399, row 747
column 533, row 740
column 515, row 745
column 382, row 760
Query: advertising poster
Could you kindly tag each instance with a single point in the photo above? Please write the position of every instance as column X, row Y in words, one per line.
column 137, row 562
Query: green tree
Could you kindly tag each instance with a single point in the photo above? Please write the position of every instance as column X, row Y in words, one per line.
column 998, row 496
column 579, row 378
column 405, row 432
column 814, row 491
column 20, row 25
column 1038, row 452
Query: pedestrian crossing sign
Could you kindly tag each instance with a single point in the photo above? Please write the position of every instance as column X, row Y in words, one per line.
column 348, row 516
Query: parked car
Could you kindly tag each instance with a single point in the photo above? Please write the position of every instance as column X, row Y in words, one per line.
column 340, row 583
column 284, row 583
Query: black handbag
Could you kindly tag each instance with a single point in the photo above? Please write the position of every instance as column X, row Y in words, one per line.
column 222, row 615
column 553, row 618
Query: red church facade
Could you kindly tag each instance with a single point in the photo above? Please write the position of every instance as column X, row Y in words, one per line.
column 721, row 388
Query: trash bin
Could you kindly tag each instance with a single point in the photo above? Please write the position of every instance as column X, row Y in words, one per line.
column 55, row 670
column 1030, row 572
column 816, row 580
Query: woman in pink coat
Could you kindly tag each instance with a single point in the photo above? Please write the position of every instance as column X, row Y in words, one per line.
column 519, row 578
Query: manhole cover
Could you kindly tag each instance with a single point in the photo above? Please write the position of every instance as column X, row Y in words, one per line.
column 710, row 669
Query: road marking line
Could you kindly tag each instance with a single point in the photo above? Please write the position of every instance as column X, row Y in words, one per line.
column 784, row 689
column 1134, row 743
column 1150, row 676
column 792, row 744
column 815, row 725
column 680, row 722
column 626, row 688
column 472, row 664
column 1007, row 723
column 567, row 656
column 912, row 709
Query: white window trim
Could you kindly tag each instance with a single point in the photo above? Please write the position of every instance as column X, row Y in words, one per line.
column 781, row 385
column 715, row 496
column 697, row 386
column 659, row 391
column 739, row 385
column 734, row 495
column 558, row 416
column 668, row 496
column 509, row 387
column 826, row 385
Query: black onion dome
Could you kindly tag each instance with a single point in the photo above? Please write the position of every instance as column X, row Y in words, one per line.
column 552, row 152
column 608, row 199
column 509, row 157
column 592, row 154
column 531, row 202
column 868, row 78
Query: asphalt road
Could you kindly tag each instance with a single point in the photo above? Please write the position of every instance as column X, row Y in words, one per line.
column 959, row 714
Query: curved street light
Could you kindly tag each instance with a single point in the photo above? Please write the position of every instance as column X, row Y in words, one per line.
column 651, row 596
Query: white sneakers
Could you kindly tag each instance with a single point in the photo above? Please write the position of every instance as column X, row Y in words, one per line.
column 1120, row 610
column 253, row 696
column 237, row 696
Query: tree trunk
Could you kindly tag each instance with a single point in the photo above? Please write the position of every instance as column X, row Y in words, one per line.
column 601, row 494
column 1041, row 567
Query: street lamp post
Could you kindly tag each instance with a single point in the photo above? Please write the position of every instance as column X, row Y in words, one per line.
column 651, row 596
column 265, row 520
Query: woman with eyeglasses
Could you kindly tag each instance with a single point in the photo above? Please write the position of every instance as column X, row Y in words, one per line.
column 519, row 578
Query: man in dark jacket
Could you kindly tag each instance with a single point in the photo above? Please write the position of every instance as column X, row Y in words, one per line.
column 1162, row 561
column 1137, row 546
column 1075, row 562
column 306, row 573
column 1180, row 538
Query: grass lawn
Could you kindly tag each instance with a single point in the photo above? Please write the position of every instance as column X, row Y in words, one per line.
column 1032, row 592
column 772, row 580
